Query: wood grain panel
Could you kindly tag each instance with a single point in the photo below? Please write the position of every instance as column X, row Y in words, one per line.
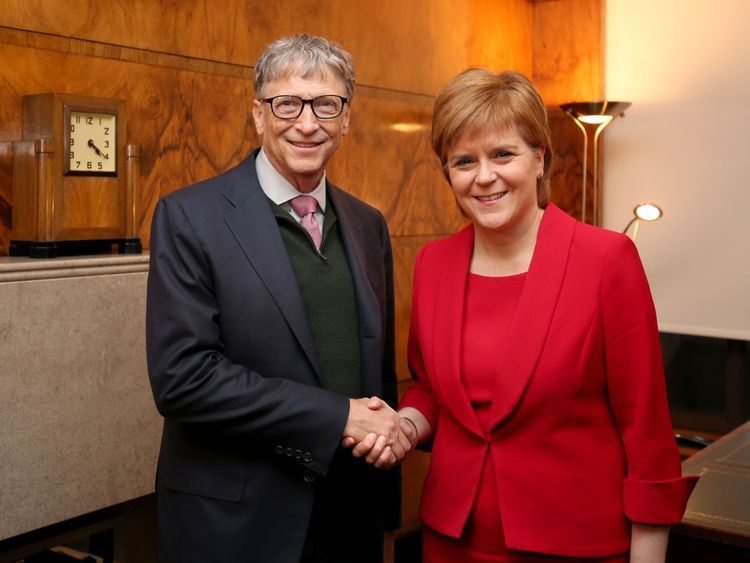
column 567, row 166
column 568, row 50
column 414, row 468
column 192, row 125
column 413, row 473
column 189, row 125
column 428, row 41
column 193, row 28
column 6, row 189
column 419, row 45
column 499, row 35
column 387, row 161
column 405, row 250
column 31, row 39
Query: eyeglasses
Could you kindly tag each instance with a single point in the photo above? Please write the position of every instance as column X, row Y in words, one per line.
column 290, row 107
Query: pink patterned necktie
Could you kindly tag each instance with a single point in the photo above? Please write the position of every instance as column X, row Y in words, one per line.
column 305, row 206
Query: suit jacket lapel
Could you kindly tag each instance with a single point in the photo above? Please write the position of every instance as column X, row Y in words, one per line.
column 370, row 322
column 254, row 226
column 448, row 328
column 530, row 326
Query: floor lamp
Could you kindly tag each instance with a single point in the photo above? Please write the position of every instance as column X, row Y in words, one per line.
column 593, row 116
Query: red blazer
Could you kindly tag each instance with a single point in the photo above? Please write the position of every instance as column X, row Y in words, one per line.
column 581, row 438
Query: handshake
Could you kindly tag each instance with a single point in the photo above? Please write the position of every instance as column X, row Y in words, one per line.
column 379, row 434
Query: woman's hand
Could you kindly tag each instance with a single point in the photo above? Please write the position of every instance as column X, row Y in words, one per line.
column 376, row 449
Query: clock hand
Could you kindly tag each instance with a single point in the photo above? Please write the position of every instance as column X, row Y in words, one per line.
column 93, row 146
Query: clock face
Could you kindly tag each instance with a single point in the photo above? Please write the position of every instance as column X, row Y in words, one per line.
column 91, row 142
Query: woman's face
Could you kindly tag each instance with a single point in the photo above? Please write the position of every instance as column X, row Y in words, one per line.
column 493, row 173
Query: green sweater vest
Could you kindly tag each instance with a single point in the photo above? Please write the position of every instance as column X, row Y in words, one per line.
column 330, row 302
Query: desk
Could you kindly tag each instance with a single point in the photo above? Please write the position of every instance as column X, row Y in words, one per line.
column 716, row 525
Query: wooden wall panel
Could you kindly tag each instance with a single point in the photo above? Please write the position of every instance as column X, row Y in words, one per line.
column 568, row 50
column 568, row 66
column 500, row 36
column 567, row 166
column 415, row 467
column 417, row 46
column 413, row 46
column 192, row 125
column 189, row 125
column 411, row 192
column 230, row 31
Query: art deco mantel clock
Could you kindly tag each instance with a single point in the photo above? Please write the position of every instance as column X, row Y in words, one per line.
column 74, row 177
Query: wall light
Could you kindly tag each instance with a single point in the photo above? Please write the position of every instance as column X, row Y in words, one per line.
column 409, row 127
column 643, row 212
column 593, row 116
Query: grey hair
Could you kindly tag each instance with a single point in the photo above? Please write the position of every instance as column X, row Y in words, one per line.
column 307, row 54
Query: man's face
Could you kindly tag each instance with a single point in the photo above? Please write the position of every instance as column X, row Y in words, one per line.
column 301, row 148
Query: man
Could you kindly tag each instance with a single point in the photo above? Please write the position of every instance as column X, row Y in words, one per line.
column 265, row 321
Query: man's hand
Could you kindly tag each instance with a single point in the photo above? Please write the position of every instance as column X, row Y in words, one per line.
column 372, row 416
column 382, row 450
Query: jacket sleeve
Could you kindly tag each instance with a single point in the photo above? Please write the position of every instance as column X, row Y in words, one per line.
column 654, row 491
column 192, row 379
column 419, row 395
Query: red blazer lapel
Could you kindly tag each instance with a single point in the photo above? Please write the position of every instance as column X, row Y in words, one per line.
column 528, row 331
column 450, row 290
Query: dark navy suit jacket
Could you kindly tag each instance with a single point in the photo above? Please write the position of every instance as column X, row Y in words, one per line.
column 249, row 432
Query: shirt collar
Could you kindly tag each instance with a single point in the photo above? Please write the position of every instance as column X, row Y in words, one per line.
column 278, row 189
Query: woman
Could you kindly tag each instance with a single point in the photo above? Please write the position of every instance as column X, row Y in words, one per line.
column 535, row 353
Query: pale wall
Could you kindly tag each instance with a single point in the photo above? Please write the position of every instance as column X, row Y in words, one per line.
column 684, row 144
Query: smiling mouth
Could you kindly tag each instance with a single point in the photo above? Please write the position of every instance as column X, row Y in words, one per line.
column 492, row 197
column 305, row 145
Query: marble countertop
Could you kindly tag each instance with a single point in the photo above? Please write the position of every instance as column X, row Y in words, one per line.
column 14, row 268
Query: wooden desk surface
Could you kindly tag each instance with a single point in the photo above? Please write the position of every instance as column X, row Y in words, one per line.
column 719, row 508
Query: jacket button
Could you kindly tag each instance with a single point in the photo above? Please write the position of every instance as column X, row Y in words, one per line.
column 279, row 450
column 308, row 476
column 297, row 454
column 289, row 452
column 307, row 457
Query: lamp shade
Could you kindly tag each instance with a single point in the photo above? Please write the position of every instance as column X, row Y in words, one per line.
column 598, row 115
column 643, row 212
column 595, row 112
column 648, row 212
